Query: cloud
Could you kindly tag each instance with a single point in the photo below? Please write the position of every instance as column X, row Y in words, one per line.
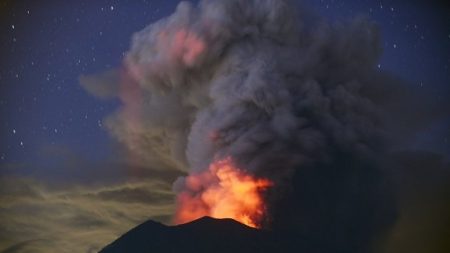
column 38, row 217
column 105, row 85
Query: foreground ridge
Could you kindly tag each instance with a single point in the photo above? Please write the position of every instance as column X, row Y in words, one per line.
column 205, row 234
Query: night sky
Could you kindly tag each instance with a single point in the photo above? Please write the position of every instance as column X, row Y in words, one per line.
column 64, row 181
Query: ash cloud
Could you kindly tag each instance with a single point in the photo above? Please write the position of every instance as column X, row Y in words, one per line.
column 246, row 79
column 289, row 97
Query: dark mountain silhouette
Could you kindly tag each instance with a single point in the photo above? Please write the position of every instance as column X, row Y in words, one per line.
column 204, row 235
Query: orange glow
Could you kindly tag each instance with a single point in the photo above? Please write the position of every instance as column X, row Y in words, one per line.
column 223, row 191
column 183, row 45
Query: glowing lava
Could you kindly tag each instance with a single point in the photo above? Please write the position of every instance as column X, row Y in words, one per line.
column 223, row 191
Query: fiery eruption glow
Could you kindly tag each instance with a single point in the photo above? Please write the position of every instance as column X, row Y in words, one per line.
column 223, row 191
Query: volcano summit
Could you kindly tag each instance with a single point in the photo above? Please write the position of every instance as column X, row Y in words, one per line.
column 206, row 235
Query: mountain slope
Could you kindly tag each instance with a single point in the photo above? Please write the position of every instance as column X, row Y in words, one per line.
column 203, row 235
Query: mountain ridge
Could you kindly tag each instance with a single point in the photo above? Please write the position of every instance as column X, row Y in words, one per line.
column 205, row 234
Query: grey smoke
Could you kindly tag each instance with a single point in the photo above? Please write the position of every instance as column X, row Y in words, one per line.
column 288, row 98
column 267, row 89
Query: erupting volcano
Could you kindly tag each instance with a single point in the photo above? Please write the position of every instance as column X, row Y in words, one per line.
column 223, row 191
column 235, row 89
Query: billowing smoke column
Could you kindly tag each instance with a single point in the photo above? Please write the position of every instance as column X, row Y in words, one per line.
column 284, row 97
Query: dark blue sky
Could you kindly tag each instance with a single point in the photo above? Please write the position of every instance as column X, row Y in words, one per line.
column 46, row 46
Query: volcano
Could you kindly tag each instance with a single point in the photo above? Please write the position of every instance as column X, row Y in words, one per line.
column 206, row 235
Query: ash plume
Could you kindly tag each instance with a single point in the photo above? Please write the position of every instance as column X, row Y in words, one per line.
column 242, row 78
column 288, row 98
